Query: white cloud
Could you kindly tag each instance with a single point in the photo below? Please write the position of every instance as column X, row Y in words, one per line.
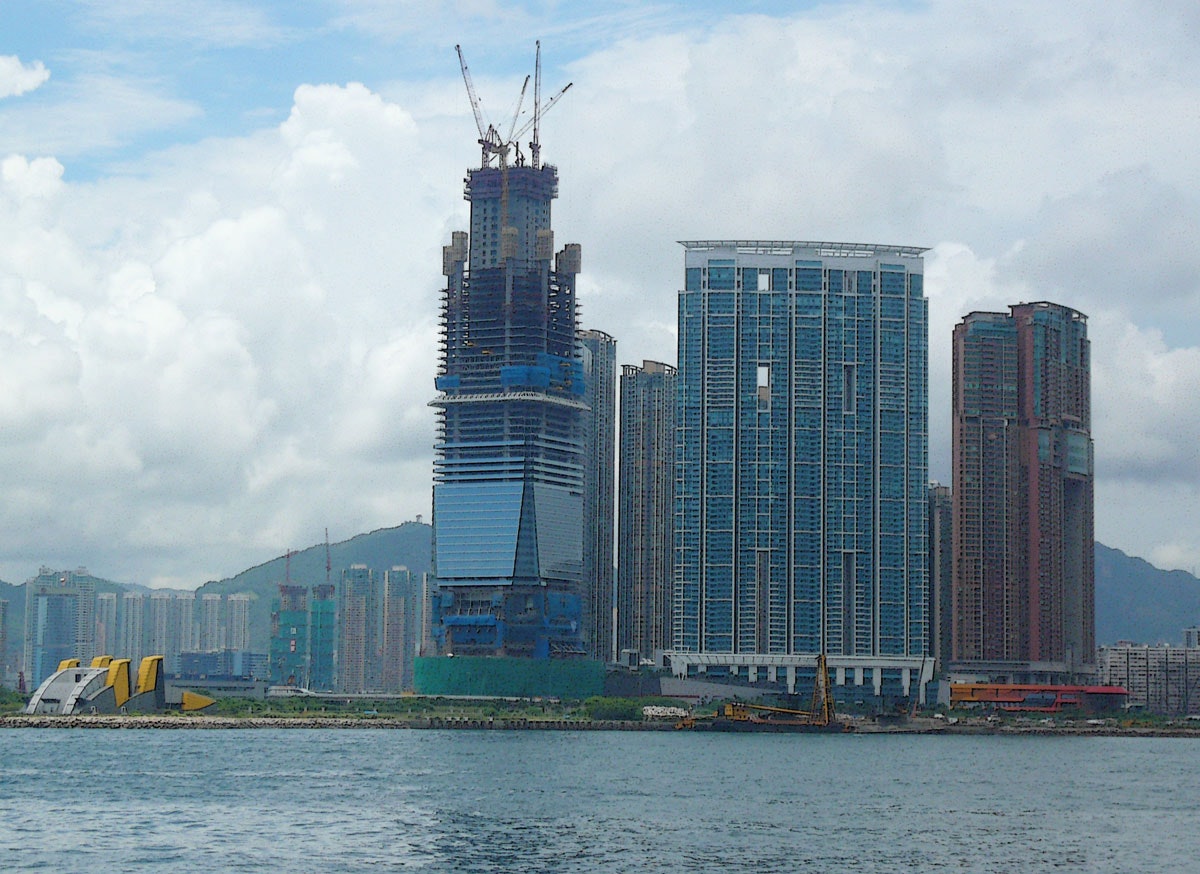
column 17, row 78
column 1145, row 413
column 92, row 111
column 218, row 358
column 24, row 179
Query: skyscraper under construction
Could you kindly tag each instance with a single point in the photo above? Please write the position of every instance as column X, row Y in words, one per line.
column 508, row 469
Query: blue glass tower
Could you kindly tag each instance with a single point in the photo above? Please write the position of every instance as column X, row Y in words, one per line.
column 802, row 458
column 508, row 469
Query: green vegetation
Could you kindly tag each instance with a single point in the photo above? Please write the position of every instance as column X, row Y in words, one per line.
column 414, row 707
column 11, row 701
column 626, row 709
column 407, row 707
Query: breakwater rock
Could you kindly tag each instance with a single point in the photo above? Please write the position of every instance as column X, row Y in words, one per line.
column 234, row 722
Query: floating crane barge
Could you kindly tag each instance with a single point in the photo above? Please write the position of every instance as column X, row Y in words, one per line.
column 738, row 716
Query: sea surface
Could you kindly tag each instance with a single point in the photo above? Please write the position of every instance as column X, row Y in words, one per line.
column 300, row 800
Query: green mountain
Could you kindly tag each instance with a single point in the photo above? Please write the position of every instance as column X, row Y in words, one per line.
column 1136, row 601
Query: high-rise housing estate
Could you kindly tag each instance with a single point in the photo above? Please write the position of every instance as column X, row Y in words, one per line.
column 59, row 621
column 237, row 621
column 401, row 627
column 212, row 624
column 941, row 572
column 106, row 623
column 599, row 356
column 169, row 627
column 508, row 463
column 1023, row 495
column 131, row 627
column 360, row 631
column 646, row 545
column 802, row 463
column 223, row 622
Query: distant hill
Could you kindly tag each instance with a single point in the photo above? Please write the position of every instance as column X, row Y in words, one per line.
column 409, row 545
column 1136, row 601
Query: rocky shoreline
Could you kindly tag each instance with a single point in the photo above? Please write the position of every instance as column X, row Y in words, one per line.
column 215, row 723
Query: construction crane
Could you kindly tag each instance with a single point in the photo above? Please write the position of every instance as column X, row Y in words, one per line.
column 496, row 148
column 740, row 716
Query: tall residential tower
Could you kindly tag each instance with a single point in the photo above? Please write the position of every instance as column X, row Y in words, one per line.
column 599, row 356
column 646, row 547
column 801, row 474
column 1023, row 579
column 59, row 621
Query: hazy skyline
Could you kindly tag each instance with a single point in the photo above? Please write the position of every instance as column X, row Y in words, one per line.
column 221, row 232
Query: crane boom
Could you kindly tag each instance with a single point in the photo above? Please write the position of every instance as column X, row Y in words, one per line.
column 534, row 146
column 517, row 113
column 471, row 95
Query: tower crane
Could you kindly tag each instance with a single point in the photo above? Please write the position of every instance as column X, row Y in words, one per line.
column 497, row 147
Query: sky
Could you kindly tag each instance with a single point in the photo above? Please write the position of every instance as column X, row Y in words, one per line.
column 221, row 229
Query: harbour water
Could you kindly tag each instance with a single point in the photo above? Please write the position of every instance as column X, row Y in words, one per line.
column 479, row 801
